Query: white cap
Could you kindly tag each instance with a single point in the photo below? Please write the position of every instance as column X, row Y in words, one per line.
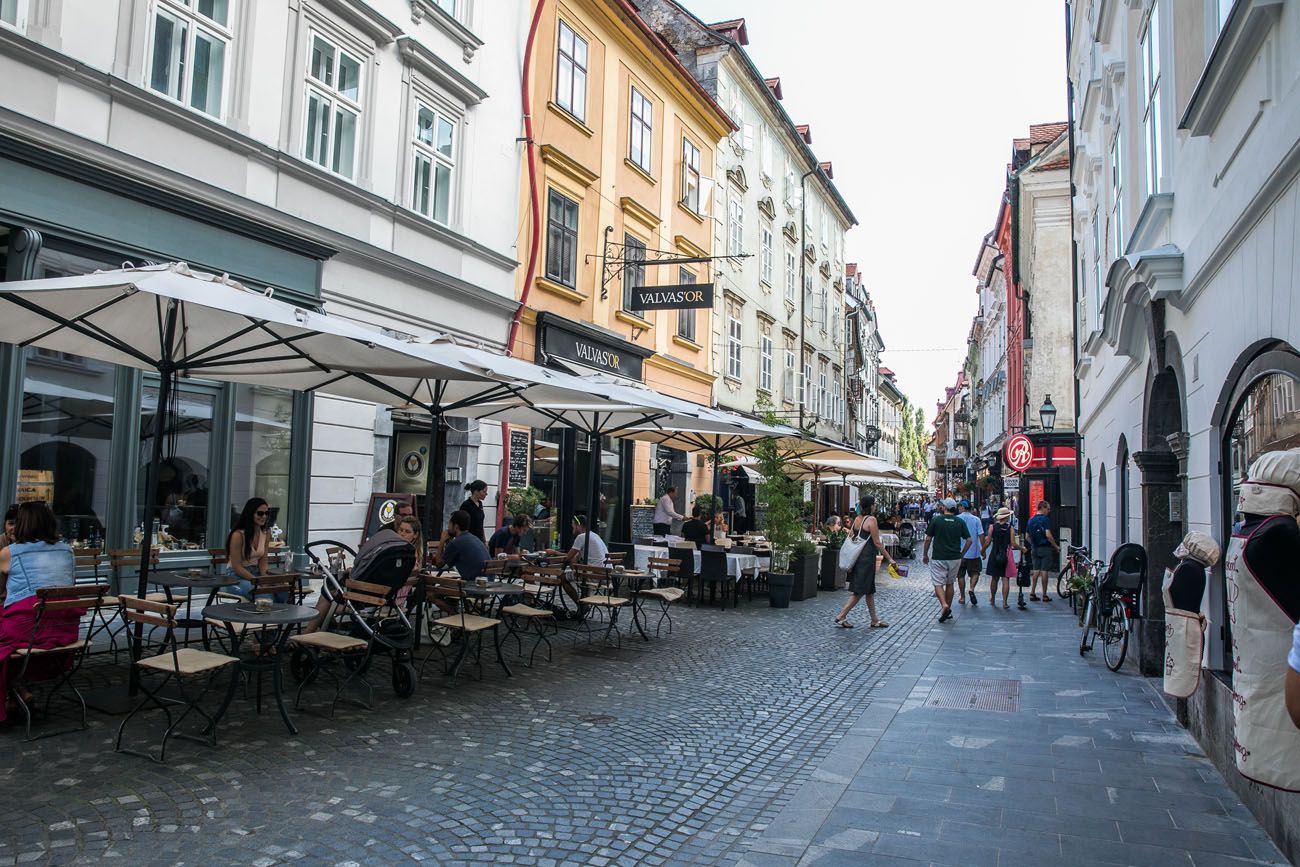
column 949, row 503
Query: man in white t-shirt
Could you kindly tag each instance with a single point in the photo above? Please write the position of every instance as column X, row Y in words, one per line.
column 587, row 547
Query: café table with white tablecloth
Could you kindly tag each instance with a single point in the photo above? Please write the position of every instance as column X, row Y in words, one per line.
column 736, row 563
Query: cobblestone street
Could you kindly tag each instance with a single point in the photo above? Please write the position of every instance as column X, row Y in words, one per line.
column 674, row 751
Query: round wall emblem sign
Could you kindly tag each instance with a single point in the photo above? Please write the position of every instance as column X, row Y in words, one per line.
column 413, row 464
column 1019, row 453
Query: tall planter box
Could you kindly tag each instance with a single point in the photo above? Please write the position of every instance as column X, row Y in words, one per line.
column 830, row 577
column 643, row 522
column 805, row 569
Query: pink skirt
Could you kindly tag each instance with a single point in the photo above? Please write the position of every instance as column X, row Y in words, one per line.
column 16, row 622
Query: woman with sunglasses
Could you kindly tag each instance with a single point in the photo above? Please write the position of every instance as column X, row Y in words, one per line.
column 246, row 548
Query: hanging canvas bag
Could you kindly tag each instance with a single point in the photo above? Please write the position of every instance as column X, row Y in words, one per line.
column 1184, row 645
column 850, row 551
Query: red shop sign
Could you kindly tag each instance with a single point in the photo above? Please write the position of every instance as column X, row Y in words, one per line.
column 1019, row 453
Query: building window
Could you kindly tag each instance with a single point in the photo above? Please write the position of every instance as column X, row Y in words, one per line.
column 765, row 259
column 765, row 363
column 690, row 176
column 791, row 272
column 735, row 332
column 824, row 228
column 825, row 307
column 260, row 457
column 1151, row 116
column 633, row 270
column 187, row 55
column 686, row 317
column 823, row 401
column 735, row 224
column 765, row 149
column 448, row 6
column 806, row 387
column 561, row 239
column 1098, row 278
column 640, row 129
column 1222, row 9
column 837, row 404
column 571, row 73
column 333, row 109
column 434, row 163
column 13, row 13
column 1116, row 197
column 788, row 384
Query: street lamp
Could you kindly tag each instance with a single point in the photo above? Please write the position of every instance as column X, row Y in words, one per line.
column 1047, row 414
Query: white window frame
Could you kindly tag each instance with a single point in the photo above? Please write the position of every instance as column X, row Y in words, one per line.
column 1221, row 9
column 429, row 152
column 791, row 275
column 735, row 337
column 823, row 393
column 765, row 363
column 1117, row 194
column 765, row 151
column 336, row 103
column 577, row 71
column 1099, row 279
column 183, row 13
column 20, row 18
column 686, row 315
column 735, row 223
column 805, row 386
column 788, row 381
column 640, row 130
column 691, row 187
column 837, row 403
column 824, row 315
column 765, row 257
column 1149, row 46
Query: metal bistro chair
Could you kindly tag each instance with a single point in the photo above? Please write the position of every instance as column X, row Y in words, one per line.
column 89, row 563
column 176, row 665
column 667, row 571
column 57, row 662
column 592, row 580
column 470, row 627
column 749, row 576
column 544, row 585
column 314, row 652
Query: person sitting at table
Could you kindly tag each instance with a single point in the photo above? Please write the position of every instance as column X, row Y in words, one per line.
column 720, row 528
column 33, row 560
column 464, row 551
column 507, row 539
column 408, row 527
column 695, row 530
column 246, row 548
column 11, row 517
column 587, row 547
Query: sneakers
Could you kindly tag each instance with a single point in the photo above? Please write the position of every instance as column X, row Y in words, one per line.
column 973, row 600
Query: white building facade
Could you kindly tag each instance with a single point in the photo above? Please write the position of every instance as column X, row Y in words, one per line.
column 989, row 333
column 356, row 156
column 1186, row 167
column 778, row 314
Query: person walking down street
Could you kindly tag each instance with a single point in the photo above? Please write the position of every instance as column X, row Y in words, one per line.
column 970, row 564
column 473, row 506
column 862, row 579
column 951, row 539
column 666, row 513
column 1000, row 543
column 1044, row 551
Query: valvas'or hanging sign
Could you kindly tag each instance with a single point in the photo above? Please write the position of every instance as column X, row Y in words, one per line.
column 683, row 296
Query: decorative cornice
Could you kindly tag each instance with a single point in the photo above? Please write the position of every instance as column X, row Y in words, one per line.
column 736, row 177
column 790, row 231
column 418, row 55
column 767, row 208
column 567, row 165
column 363, row 17
column 439, row 17
column 680, row 368
column 639, row 212
column 1136, row 280
column 689, row 247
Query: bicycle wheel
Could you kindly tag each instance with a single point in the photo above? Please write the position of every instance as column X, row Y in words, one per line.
column 1084, row 644
column 1115, row 637
column 1063, row 589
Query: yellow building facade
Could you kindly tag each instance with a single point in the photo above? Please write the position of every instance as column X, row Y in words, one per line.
column 623, row 142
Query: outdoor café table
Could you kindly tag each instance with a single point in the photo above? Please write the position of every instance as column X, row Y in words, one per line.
column 736, row 563
column 489, row 595
column 189, row 582
column 890, row 541
column 278, row 620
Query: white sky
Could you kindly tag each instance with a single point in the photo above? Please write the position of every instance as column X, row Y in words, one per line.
column 916, row 105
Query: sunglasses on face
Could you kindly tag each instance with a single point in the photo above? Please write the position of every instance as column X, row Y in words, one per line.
column 263, row 513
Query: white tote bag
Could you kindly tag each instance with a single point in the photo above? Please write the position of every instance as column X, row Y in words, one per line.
column 850, row 551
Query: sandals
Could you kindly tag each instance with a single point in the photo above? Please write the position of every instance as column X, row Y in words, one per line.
column 880, row 624
column 843, row 623
column 1033, row 598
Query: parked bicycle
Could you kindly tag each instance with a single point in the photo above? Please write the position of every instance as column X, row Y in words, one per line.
column 1078, row 571
column 1113, row 604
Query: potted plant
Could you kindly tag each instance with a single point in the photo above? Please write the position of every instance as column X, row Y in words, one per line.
column 523, row 501
column 708, row 504
column 782, row 502
column 830, row 569
column 805, row 566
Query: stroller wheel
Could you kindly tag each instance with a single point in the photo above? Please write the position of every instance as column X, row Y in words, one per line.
column 403, row 679
column 302, row 665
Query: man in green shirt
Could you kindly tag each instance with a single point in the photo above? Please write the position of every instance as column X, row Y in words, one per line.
column 951, row 541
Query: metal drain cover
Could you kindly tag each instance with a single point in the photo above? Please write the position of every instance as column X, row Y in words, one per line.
column 599, row 719
column 974, row 693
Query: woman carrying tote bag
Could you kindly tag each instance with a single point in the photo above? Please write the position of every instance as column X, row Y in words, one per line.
column 862, row 566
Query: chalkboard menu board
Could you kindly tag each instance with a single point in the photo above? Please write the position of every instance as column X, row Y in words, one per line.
column 519, row 454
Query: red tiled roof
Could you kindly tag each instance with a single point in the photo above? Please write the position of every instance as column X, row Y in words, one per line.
column 1045, row 133
column 850, row 269
column 1058, row 163
column 733, row 29
column 828, row 169
column 774, row 85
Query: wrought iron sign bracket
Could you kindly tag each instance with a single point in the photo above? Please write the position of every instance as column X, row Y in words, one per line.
column 614, row 260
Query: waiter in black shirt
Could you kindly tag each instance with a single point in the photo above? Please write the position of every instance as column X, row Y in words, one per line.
column 473, row 506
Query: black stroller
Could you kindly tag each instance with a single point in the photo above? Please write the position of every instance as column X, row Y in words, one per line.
column 364, row 607
column 906, row 539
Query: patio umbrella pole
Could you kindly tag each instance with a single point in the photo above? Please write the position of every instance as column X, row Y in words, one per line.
column 436, row 478
column 593, row 511
column 717, row 481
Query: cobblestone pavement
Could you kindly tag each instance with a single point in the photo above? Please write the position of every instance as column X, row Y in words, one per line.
column 1090, row 768
column 680, row 750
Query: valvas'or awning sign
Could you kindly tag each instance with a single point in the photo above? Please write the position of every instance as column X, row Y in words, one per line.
column 683, row 296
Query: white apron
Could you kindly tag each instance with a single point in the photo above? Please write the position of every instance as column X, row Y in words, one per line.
column 1266, row 742
column 1184, row 644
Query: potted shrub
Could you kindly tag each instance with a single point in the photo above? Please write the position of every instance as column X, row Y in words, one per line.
column 830, row 569
column 805, row 565
column 782, row 502
column 524, row 501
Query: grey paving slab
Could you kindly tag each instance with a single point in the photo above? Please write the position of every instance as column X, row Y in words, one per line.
column 1091, row 769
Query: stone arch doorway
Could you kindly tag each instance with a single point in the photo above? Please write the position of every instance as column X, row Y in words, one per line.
column 1161, row 464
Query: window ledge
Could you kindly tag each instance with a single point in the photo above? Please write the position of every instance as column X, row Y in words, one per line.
column 699, row 218
column 571, row 120
column 632, row 319
column 1247, row 27
column 732, row 380
column 639, row 170
column 560, row 289
column 687, row 342
column 444, row 21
